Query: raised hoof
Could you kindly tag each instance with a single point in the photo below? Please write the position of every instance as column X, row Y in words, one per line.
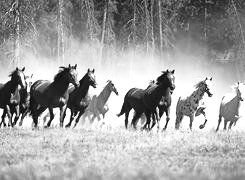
column 67, row 126
column 46, row 126
column 201, row 126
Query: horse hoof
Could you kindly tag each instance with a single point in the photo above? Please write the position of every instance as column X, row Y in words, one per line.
column 201, row 126
column 46, row 126
column 67, row 126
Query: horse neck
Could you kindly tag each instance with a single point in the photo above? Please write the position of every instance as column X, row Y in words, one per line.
column 83, row 89
column 61, row 85
column 13, row 86
column 104, row 95
column 198, row 94
column 160, row 91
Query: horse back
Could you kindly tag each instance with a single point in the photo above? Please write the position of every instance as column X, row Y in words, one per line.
column 229, row 107
column 40, row 86
column 135, row 93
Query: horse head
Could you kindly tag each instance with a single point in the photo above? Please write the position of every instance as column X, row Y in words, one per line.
column 240, row 91
column 29, row 82
column 112, row 87
column 91, row 78
column 18, row 77
column 167, row 78
column 205, row 86
column 70, row 73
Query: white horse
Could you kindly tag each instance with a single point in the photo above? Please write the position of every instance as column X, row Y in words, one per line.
column 229, row 106
column 98, row 106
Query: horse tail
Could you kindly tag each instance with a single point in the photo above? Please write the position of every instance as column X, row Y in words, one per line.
column 124, row 108
column 178, row 105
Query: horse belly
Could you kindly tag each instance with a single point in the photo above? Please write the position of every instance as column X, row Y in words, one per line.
column 228, row 112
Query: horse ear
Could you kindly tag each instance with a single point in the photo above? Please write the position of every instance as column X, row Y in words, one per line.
column 62, row 67
column 167, row 71
column 93, row 71
column 75, row 67
column 17, row 69
column 69, row 65
column 31, row 76
column 206, row 79
column 211, row 78
column 23, row 69
column 88, row 70
column 173, row 71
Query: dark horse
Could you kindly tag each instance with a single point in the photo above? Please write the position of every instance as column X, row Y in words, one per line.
column 45, row 94
column 10, row 96
column 78, row 100
column 24, row 104
column 145, row 101
column 162, row 107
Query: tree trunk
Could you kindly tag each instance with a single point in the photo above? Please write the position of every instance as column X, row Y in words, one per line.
column 160, row 24
column 61, row 34
column 147, row 24
column 152, row 28
column 240, row 64
column 16, row 9
column 103, row 31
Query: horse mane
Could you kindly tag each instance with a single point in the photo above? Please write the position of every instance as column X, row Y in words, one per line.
column 83, row 78
column 237, row 86
column 164, row 73
column 13, row 73
column 197, row 85
column 60, row 74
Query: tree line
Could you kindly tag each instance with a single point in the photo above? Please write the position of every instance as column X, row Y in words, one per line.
column 154, row 26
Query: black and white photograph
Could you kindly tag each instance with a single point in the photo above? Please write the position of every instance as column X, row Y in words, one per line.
column 122, row 89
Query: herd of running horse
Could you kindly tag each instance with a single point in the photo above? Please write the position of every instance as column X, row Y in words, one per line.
column 18, row 97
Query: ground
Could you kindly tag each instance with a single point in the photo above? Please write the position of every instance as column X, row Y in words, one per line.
column 120, row 154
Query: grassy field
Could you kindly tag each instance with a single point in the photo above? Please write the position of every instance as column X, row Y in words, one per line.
column 119, row 154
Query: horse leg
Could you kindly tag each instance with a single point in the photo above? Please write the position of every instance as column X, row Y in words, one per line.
column 204, row 114
column 135, row 119
column 36, row 114
column 8, row 111
column 78, row 118
column 3, row 116
column 191, row 121
column 219, row 121
column 51, row 114
column 148, row 120
column 179, row 118
column 17, row 114
column 62, row 115
column 230, row 125
column 23, row 116
column 71, row 119
column 167, row 118
column 225, row 123
column 126, row 119
column 154, row 118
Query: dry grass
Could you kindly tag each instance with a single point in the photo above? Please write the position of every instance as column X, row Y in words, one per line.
column 120, row 154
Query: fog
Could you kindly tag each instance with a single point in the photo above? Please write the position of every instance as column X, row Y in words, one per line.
column 130, row 69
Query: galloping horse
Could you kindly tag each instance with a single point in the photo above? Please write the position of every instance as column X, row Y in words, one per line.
column 146, row 100
column 98, row 105
column 45, row 94
column 78, row 100
column 189, row 106
column 25, row 99
column 229, row 106
column 162, row 107
column 10, row 96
